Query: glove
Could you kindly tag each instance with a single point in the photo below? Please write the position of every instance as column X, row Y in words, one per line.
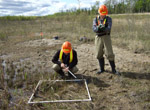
column 101, row 27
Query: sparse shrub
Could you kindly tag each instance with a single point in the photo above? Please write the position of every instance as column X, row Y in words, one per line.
column 3, row 36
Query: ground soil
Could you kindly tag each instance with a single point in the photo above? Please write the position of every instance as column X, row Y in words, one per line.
column 130, row 91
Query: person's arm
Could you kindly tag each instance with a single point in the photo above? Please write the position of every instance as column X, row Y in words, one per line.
column 98, row 29
column 75, row 60
column 56, row 58
column 109, row 24
column 95, row 29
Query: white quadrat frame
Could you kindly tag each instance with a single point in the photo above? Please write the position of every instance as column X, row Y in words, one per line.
column 75, row 80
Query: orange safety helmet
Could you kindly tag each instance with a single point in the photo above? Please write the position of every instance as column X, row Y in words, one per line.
column 103, row 10
column 66, row 47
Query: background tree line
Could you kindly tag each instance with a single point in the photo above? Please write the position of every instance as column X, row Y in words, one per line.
column 115, row 7
column 128, row 6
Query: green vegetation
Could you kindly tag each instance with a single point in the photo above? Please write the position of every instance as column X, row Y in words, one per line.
column 3, row 36
column 18, row 18
column 128, row 6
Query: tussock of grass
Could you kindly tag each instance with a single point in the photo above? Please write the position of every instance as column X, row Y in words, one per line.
column 51, row 91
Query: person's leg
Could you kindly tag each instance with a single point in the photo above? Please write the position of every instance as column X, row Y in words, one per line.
column 101, row 64
column 57, row 69
column 109, row 53
column 113, row 67
column 74, row 69
column 108, row 48
column 99, row 47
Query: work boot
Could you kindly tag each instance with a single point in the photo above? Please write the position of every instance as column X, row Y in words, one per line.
column 113, row 67
column 101, row 64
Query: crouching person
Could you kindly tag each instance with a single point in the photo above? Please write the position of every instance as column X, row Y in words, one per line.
column 64, row 60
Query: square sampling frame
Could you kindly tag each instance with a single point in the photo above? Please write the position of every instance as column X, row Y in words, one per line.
column 51, row 101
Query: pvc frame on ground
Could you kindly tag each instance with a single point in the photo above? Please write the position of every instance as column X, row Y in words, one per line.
column 52, row 101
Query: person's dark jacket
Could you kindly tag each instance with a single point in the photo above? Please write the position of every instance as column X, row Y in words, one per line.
column 108, row 26
column 66, row 59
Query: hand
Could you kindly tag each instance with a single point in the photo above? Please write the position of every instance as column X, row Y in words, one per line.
column 63, row 65
column 66, row 69
column 103, row 28
column 100, row 27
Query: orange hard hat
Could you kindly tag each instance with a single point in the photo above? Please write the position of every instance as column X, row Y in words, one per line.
column 66, row 47
column 103, row 10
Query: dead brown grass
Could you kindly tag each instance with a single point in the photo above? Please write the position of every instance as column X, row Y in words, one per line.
column 28, row 59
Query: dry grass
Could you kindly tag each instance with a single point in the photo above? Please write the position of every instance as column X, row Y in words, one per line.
column 51, row 91
column 28, row 61
column 132, row 32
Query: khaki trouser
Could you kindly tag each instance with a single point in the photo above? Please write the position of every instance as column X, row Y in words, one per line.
column 103, row 46
column 56, row 68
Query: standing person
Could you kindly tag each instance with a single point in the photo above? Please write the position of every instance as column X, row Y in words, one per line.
column 102, row 27
column 65, row 59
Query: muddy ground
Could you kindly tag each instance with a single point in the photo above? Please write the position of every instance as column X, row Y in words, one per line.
column 25, row 63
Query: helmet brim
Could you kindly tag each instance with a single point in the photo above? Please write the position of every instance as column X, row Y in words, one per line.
column 103, row 13
column 65, row 51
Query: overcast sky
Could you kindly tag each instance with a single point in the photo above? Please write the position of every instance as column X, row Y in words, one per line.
column 40, row 7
